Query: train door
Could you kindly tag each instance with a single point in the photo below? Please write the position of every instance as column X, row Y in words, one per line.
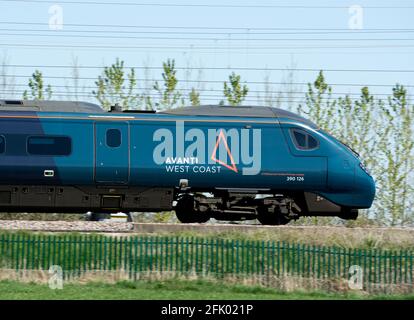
column 112, row 152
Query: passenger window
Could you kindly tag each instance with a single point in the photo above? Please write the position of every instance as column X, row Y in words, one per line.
column 2, row 144
column 303, row 140
column 49, row 146
column 113, row 138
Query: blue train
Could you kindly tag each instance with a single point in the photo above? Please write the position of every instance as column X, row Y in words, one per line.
column 227, row 163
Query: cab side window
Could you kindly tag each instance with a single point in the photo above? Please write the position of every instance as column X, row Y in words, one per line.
column 303, row 140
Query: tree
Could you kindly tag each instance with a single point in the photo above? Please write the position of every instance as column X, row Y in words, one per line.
column 396, row 155
column 234, row 91
column 73, row 87
column 114, row 86
column 7, row 82
column 319, row 105
column 358, row 127
column 194, row 97
column 382, row 132
column 169, row 95
column 38, row 90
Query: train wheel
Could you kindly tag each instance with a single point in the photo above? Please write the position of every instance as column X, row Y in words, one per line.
column 271, row 218
column 202, row 217
column 186, row 212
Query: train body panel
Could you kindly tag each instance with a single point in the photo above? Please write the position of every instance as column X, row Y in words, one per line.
column 276, row 162
column 121, row 155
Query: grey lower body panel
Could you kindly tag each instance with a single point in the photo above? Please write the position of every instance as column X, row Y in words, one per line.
column 22, row 198
column 319, row 206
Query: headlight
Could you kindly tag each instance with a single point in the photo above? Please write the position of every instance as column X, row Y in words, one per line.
column 361, row 165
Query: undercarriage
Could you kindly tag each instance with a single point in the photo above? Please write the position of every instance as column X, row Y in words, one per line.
column 268, row 209
column 191, row 206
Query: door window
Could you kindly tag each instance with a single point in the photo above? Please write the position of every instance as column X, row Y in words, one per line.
column 113, row 138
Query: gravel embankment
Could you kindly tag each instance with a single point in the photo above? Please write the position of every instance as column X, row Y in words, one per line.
column 80, row 226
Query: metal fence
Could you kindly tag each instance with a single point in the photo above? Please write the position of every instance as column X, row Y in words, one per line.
column 137, row 255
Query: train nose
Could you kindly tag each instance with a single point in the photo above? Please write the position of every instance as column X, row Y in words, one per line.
column 364, row 186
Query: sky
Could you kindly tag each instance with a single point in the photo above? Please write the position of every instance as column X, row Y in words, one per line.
column 256, row 39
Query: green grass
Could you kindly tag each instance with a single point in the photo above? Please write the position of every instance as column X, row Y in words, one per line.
column 165, row 290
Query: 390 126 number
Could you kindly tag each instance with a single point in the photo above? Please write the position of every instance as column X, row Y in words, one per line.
column 293, row 179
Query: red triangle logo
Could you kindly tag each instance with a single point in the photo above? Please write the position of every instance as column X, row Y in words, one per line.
column 222, row 138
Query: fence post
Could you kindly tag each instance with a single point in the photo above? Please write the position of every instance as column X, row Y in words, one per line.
column 141, row 255
column 101, row 253
column 210, row 255
column 268, row 257
column 145, row 269
column 188, row 251
column 59, row 254
column 371, row 266
column 378, row 265
column 230, row 261
column 150, row 257
column 128, row 257
column 396, row 271
column 43, row 252
column 114, row 247
column 105, row 242
column 92, row 252
column 288, row 258
column 2, row 245
column 273, row 258
column 17, row 242
column 66, row 253
column 242, row 256
column 405, row 265
column 319, row 261
column 75, row 251
column 396, row 266
column 401, row 265
column 24, row 254
column 411, row 268
column 248, row 256
column 313, row 250
column 167, row 244
column 263, row 257
column 202, row 250
column 83, row 252
column 135, row 257
column 388, row 268
column 282, row 262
